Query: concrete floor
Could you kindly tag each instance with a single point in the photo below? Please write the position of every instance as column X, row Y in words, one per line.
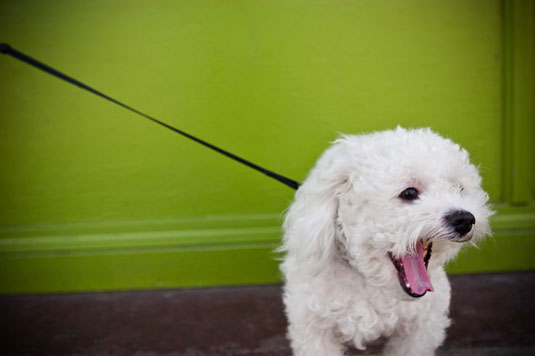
column 493, row 315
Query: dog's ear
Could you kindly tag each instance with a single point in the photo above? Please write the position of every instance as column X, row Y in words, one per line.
column 310, row 226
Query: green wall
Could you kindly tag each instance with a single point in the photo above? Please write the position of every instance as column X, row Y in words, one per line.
column 96, row 198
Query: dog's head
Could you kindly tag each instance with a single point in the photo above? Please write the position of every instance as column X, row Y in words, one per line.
column 394, row 205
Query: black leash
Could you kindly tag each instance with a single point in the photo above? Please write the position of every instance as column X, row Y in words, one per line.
column 7, row 49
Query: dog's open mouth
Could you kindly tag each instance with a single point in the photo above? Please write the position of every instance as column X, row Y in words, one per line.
column 412, row 270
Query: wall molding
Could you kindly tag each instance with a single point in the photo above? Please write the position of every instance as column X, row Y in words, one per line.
column 224, row 250
column 518, row 119
column 141, row 234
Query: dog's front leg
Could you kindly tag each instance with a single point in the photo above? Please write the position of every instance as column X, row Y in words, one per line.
column 314, row 341
column 417, row 340
column 423, row 335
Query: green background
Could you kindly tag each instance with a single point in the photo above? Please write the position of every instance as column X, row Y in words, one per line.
column 96, row 198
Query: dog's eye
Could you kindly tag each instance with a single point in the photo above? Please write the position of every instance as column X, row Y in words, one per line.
column 409, row 194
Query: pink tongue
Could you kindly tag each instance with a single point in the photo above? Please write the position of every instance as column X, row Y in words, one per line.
column 415, row 271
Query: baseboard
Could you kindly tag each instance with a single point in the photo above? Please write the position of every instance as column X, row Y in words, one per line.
column 222, row 250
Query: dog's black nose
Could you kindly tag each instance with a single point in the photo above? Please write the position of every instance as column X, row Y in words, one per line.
column 461, row 221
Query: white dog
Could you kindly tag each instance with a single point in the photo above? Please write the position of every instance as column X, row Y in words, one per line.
column 367, row 237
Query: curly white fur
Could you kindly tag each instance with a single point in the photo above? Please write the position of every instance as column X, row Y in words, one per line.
column 341, row 287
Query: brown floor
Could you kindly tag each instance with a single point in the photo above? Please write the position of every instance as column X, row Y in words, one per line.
column 493, row 315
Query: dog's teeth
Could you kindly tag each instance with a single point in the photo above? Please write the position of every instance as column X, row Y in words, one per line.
column 408, row 285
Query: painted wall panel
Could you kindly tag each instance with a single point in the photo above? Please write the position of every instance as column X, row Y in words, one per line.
column 274, row 81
